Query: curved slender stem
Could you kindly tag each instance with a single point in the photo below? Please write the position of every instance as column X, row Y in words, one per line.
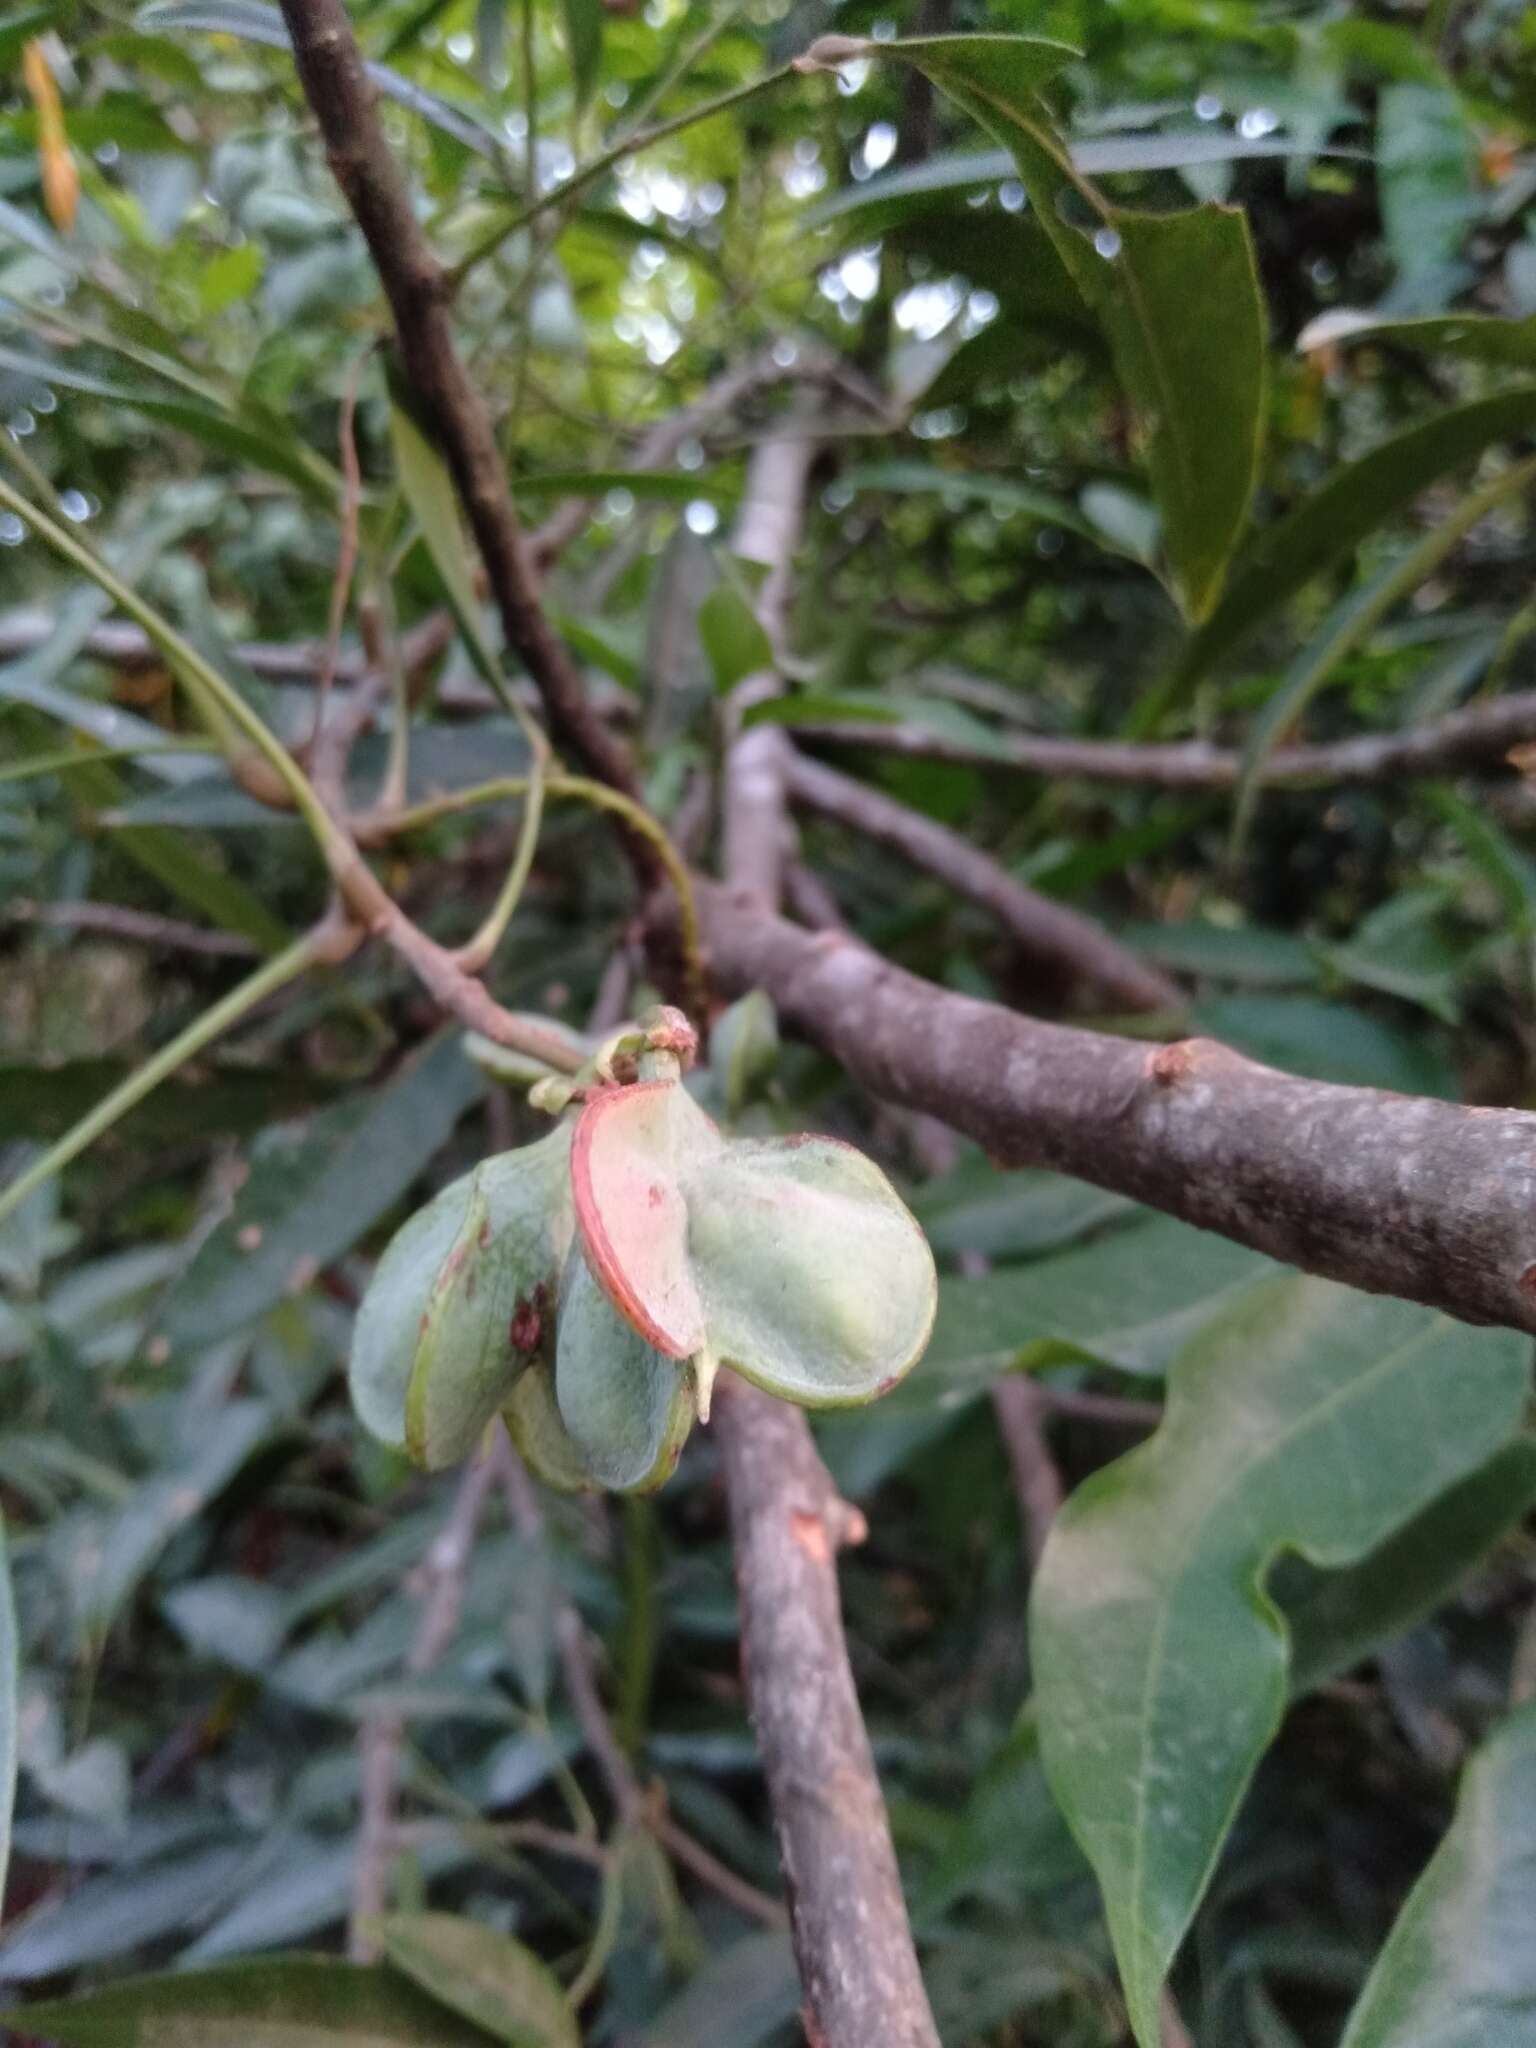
column 59, row 759
column 272, row 975
column 223, row 709
column 581, row 789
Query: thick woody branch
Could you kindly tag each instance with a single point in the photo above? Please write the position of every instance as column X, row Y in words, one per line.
column 1392, row 1193
column 337, row 86
column 1478, row 736
column 1048, row 933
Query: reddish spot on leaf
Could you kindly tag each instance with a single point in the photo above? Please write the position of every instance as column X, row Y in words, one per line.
column 528, row 1321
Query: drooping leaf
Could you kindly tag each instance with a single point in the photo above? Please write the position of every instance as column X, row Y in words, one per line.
column 313, row 1191
column 1459, row 1969
column 287, row 2002
column 116, row 1913
column 487, row 1978
column 1308, row 1418
column 1197, row 388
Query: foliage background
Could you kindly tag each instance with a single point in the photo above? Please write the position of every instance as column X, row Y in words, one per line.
column 216, row 1574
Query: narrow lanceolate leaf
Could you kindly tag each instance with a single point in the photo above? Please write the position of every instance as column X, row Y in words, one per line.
column 1196, row 386
column 284, row 2002
column 8, row 1663
column 1308, row 1418
column 1328, row 525
column 485, row 1977
column 1479, row 337
column 1459, row 1968
column 313, row 1191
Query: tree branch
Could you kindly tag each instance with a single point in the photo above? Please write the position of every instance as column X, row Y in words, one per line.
column 1392, row 1193
column 1477, row 736
column 1044, row 931
column 337, row 86
column 853, row 1944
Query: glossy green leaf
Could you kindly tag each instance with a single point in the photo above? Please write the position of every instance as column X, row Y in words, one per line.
column 487, row 1978
column 1326, row 526
column 287, row 2002
column 627, row 1406
column 1003, row 494
column 1459, row 1968
column 1308, row 1418
column 313, row 1191
column 1197, row 388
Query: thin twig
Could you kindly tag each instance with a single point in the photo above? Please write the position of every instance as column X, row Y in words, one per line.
column 1477, row 736
column 338, row 88
column 1046, row 933
column 382, row 1736
column 141, row 926
column 328, row 774
column 636, row 1806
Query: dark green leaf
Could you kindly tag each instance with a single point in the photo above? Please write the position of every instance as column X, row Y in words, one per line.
column 1308, row 1417
column 734, row 642
column 1458, row 1970
column 1338, row 1618
column 1197, row 387
column 1329, row 524
column 314, row 1191
column 583, row 24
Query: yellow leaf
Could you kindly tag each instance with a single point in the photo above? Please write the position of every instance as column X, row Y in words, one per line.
column 61, row 180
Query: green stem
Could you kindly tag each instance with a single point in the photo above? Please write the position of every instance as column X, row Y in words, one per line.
column 268, row 978
column 588, row 173
column 680, row 66
column 222, row 708
column 79, row 757
column 474, row 956
column 598, row 794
